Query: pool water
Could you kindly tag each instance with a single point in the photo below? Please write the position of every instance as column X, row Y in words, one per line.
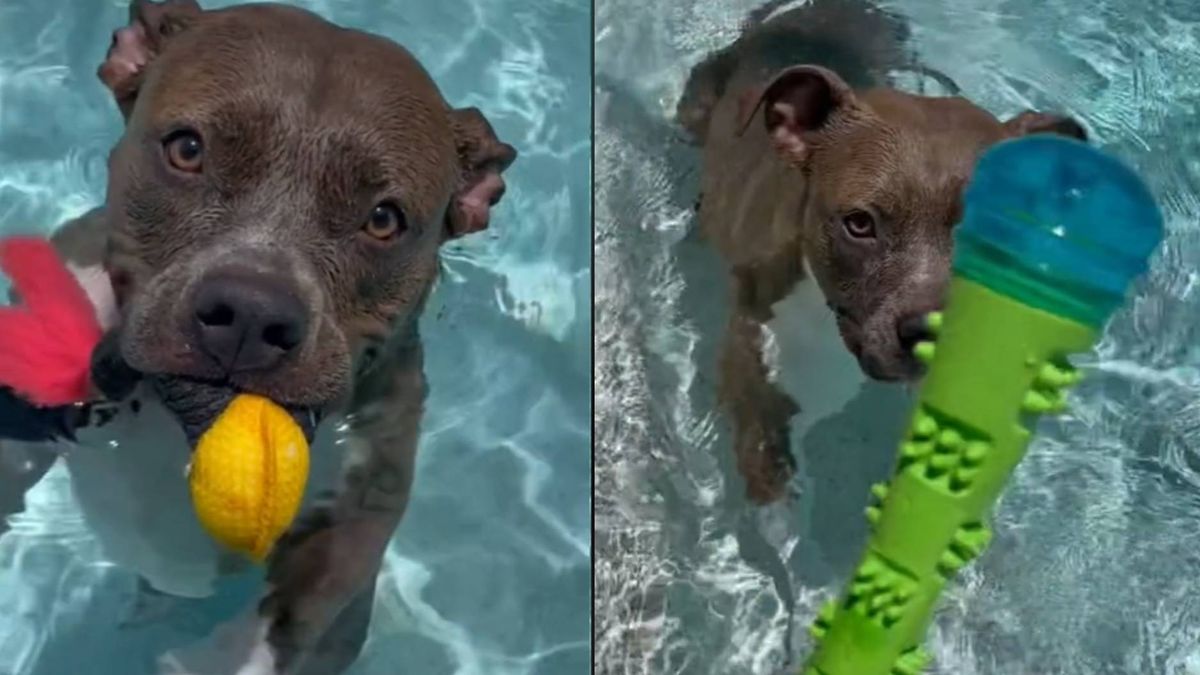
column 490, row 570
column 1095, row 562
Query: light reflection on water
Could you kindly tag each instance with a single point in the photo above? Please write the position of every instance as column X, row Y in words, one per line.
column 490, row 572
column 1094, row 561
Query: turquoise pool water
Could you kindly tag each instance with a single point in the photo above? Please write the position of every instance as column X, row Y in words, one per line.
column 490, row 571
column 1094, row 568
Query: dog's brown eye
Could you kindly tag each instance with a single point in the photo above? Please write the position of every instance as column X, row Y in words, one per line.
column 386, row 222
column 185, row 151
column 859, row 224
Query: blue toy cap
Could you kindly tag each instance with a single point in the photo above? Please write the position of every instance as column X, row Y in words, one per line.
column 1057, row 224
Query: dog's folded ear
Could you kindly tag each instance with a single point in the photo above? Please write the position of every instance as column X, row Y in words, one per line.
column 797, row 102
column 134, row 46
column 1033, row 122
column 483, row 159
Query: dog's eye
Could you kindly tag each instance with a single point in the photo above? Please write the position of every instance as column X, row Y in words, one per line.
column 386, row 222
column 859, row 224
column 185, row 151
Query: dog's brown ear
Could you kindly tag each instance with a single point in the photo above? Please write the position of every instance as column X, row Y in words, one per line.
column 134, row 46
column 483, row 159
column 797, row 102
column 1032, row 122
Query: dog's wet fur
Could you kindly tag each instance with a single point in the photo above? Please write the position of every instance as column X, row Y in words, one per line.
column 272, row 223
column 816, row 171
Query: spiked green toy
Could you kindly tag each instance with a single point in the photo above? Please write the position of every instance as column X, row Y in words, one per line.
column 1053, row 234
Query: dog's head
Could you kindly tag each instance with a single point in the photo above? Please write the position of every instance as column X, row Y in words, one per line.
column 883, row 175
column 279, row 195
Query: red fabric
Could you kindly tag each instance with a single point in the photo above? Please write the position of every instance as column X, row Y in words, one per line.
column 46, row 342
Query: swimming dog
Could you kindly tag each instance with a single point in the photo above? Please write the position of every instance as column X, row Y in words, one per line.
column 272, row 222
column 830, row 196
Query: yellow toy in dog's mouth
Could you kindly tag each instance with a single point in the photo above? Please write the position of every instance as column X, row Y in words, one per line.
column 248, row 475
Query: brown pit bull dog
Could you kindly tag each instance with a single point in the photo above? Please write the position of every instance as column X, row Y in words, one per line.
column 274, row 212
column 831, row 197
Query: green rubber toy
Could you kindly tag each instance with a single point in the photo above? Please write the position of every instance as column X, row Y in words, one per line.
column 1053, row 234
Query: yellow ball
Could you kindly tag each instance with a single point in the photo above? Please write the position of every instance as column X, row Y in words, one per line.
column 248, row 475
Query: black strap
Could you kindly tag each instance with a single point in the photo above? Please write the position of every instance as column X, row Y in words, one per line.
column 21, row 420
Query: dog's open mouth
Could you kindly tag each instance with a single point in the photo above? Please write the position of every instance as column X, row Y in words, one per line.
column 195, row 403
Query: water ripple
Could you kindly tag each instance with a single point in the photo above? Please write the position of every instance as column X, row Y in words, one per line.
column 490, row 573
column 1091, row 569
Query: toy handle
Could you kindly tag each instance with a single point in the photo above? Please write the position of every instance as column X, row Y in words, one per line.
column 1053, row 233
column 997, row 365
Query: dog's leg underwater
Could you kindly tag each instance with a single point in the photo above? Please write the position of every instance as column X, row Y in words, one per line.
column 322, row 574
column 760, row 411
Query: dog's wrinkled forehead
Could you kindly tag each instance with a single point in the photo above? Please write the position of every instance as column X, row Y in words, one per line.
column 915, row 156
column 274, row 79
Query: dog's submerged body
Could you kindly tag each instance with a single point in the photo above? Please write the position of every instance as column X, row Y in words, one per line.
column 831, row 198
column 129, row 479
column 272, row 224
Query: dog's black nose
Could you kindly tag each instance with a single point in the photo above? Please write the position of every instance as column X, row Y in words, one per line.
column 911, row 330
column 247, row 322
